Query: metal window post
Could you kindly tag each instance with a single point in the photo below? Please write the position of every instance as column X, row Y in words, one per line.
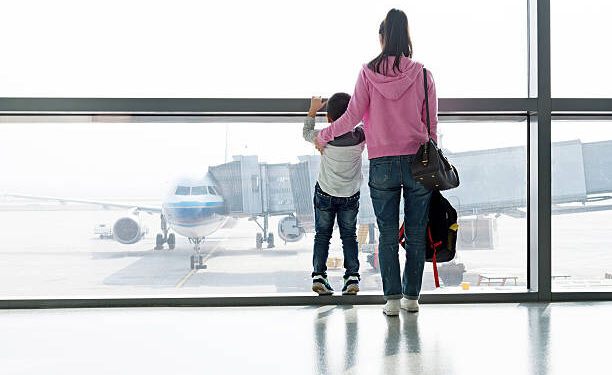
column 539, row 142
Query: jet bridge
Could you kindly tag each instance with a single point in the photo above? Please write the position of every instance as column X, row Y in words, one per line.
column 260, row 190
column 495, row 180
column 492, row 182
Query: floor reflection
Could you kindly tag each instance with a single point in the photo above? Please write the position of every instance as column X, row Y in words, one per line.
column 348, row 322
column 356, row 340
column 542, row 339
column 539, row 338
column 401, row 348
column 351, row 336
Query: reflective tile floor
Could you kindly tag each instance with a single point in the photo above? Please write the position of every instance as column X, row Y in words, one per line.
column 560, row 338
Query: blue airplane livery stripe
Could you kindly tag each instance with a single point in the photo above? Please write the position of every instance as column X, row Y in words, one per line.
column 195, row 204
column 193, row 216
column 190, row 225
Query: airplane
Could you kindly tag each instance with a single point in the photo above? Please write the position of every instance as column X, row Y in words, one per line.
column 494, row 183
column 193, row 209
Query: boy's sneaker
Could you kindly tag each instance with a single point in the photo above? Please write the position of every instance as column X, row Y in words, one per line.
column 392, row 307
column 321, row 286
column 351, row 285
column 410, row 305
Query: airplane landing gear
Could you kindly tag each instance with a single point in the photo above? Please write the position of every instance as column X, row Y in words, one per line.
column 171, row 241
column 161, row 239
column 197, row 262
column 260, row 238
column 197, row 259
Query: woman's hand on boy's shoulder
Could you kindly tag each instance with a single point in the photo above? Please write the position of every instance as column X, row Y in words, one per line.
column 318, row 146
column 316, row 103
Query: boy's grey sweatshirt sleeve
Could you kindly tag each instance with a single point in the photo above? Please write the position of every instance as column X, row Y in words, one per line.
column 308, row 131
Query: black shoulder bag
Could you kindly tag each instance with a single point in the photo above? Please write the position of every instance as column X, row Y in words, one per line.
column 430, row 167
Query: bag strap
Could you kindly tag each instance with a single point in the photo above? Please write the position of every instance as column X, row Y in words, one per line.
column 435, row 263
column 426, row 100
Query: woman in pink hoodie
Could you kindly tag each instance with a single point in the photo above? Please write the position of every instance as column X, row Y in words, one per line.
column 390, row 99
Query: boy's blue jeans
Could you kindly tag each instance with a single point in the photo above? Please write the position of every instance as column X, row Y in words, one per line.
column 389, row 177
column 327, row 208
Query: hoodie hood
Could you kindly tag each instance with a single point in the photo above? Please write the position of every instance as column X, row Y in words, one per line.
column 394, row 84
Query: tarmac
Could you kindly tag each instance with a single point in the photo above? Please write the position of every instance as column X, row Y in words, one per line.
column 51, row 251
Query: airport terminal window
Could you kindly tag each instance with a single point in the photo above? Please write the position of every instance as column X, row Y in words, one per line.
column 582, row 205
column 116, row 246
column 580, row 64
column 163, row 49
column 258, row 215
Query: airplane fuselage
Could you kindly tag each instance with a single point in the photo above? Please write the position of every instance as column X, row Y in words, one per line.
column 194, row 209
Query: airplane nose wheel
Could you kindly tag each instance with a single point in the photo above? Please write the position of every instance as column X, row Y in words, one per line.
column 197, row 259
column 197, row 262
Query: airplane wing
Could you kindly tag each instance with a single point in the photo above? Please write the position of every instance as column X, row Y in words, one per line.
column 104, row 204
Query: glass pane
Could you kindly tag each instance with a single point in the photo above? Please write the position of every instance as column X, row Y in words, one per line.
column 582, row 205
column 581, row 61
column 107, row 247
column 491, row 203
column 189, row 48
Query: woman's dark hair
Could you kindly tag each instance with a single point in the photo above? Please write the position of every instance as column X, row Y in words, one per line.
column 396, row 41
column 337, row 105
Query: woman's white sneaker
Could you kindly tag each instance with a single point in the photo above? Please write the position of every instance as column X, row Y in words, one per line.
column 392, row 307
column 410, row 305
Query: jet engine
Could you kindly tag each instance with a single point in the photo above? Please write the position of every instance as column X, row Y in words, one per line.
column 288, row 229
column 128, row 230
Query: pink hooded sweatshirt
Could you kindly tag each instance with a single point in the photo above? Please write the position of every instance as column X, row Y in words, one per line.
column 392, row 108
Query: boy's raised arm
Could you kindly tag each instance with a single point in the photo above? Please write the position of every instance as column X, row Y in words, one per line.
column 308, row 131
column 309, row 122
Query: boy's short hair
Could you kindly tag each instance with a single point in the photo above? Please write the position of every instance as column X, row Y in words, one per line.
column 337, row 105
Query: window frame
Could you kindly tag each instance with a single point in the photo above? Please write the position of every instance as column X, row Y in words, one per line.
column 538, row 107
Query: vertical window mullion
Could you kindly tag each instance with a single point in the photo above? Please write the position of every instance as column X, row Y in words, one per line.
column 540, row 150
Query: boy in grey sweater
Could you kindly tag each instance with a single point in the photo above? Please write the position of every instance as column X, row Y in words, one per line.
column 336, row 195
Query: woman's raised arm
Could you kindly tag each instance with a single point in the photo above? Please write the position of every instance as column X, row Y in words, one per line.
column 354, row 113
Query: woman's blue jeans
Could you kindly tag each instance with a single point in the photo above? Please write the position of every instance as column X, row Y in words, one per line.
column 389, row 177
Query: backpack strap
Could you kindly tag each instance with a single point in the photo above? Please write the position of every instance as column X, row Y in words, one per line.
column 435, row 264
column 435, row 268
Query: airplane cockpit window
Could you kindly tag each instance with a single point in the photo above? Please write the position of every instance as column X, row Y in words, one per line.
column 212, row 190
column 182, row 190
column 198, row 190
